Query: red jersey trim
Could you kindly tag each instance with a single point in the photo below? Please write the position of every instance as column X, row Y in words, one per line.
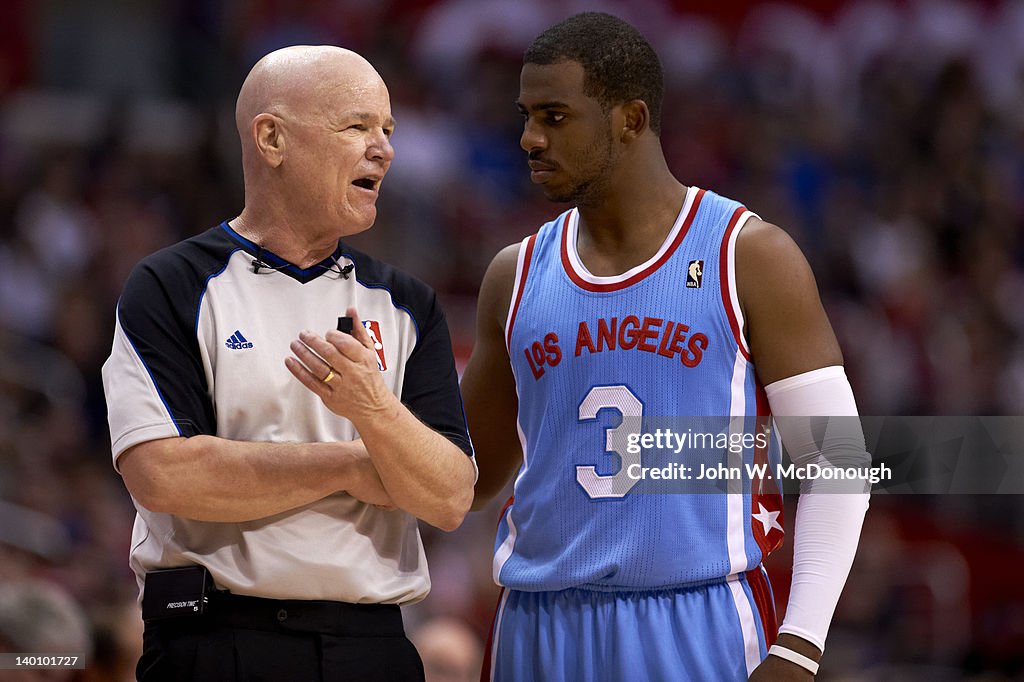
column 761, row 590
column 486, row 673
column 582, row 283
column 727, row 282
column 765, row 492
column 522, row 270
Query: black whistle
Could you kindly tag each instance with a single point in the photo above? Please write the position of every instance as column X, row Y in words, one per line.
column 345, row 325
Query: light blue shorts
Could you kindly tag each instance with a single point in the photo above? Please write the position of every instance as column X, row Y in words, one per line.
column 715, row 632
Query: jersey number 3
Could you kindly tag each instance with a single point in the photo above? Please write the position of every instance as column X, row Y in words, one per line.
column 621, row 399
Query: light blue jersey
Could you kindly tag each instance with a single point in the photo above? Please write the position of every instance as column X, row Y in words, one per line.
column 596, row 358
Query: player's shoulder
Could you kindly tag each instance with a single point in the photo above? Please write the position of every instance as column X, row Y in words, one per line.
column 496, row 288
column 503, row 265
column 765, row 246
column 770, row 267
column 500, row 277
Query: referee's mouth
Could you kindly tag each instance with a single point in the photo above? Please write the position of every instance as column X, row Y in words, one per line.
column 369, row 183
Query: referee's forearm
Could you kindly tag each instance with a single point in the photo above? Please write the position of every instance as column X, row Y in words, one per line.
column 425, row 474
column 214, row 479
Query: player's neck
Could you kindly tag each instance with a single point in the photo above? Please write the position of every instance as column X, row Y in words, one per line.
column 629, row 224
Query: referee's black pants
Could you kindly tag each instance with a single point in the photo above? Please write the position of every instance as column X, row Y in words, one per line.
column 246, row 639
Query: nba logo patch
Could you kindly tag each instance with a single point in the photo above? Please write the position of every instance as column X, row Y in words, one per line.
column 695, row 274
column 373, row 329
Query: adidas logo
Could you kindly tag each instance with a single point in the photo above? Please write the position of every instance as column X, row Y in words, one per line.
column 238, row 342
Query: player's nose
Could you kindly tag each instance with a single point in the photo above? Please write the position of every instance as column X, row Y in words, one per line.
column 532, row 138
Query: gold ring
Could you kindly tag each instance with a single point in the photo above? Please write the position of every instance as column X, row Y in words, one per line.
column 327, row 379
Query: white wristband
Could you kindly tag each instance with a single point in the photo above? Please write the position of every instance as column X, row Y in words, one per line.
column 794, row 657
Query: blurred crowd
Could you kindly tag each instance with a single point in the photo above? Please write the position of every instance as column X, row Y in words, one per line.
column 886, row 137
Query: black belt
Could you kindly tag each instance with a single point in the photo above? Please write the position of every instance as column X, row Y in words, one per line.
column 327, row 617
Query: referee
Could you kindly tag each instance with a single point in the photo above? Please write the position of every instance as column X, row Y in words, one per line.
column 279, row 472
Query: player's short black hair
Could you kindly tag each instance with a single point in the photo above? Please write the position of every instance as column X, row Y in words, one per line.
column 618, row 63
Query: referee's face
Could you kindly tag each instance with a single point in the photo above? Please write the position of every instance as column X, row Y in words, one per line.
column 341, row 150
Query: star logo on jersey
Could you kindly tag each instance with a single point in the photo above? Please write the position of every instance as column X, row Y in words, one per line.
column 695, row 274
column 373, row 329
column 768, row 519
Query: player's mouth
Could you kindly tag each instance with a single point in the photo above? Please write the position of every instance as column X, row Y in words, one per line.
column 541, row 171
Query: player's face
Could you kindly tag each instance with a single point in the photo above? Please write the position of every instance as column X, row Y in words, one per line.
column 565, row 132
column 341, row 152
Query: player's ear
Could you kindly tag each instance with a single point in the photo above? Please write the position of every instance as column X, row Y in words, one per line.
column 269, row 138
column 636, row 119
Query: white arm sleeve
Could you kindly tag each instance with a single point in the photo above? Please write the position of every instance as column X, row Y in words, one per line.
column 828, row 518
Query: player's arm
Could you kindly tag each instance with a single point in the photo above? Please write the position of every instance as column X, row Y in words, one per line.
column 422, row 469
column 213, row 479
column 786, row 325
column 488, row 386
column 798, row 359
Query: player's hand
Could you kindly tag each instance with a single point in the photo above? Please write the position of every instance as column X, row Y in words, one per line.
column 354, row 388
column 775, row 669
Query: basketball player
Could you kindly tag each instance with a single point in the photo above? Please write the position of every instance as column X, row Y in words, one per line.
column 647, row 297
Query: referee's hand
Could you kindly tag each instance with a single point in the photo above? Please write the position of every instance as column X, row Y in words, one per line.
column 342, row 370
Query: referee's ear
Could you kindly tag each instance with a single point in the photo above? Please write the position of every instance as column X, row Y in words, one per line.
column 269, row 137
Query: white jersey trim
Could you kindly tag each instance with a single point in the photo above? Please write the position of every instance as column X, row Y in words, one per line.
column 748, row 625
column 497, row 633
column 572, row 230
column 501, row 556
column 504, row 551
column 736, row 524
